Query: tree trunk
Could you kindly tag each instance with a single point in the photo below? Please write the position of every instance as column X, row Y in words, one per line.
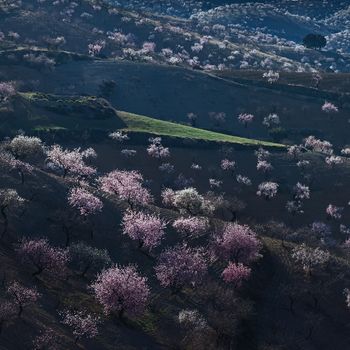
column 3, row 214
column 20, row 310
column 21, row 173
column 121, row 314
column 291, row 304
column 66, row 231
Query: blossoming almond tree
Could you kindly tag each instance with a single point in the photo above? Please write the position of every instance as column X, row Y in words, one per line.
column 82, row 324
column 228, row 165
column 268, row 190
column 237, row 243
column 86, row 204
column 334, row 212
column 245, row 119
column 22, row 147
column 301, row 192
column 127, row 186
column 157, row 150
column 310, row 258
column 181, row 266
column 70, row 162
column 236, row 273
column 9, row 199
column 191, row 226
column 122, row 290
column 46, row 339
column 22, row 296
column 329, row 107
column 43, row 256
column 148, row 229
column 187, row 201
column 7, row 90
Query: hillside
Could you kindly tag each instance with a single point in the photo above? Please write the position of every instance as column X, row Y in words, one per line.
column 146, row 89
column 174, row 175
column 73, row 116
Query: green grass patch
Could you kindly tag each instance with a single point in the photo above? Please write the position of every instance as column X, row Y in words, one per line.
column 139, row 123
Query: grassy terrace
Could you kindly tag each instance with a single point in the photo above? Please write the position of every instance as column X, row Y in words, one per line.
column 139, row 123
column 81, row 112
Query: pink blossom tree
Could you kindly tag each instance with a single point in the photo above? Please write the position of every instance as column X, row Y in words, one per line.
column 82, row 324
column 228, row 165
column 127, row 186
column 294, row 151
column 317, row 145
column 262, row 154
column 334, row 212
column 119, row 136
column 303, row 165
column 148, row 47
column 9, row 199
column 236, row 273
column 14, row 164
column 192, row 319
column 271, row 76
column 268, row 190
column 85, row 205
column 329, row 107
column 85, row 202
column 301, row 192
column 22, row 147
column 332, row 160
column 21, row 167
column 181, row 266
column 214, row 183
column 187, row 201
column 46, row 339
column 237, row 243
column 40, row 254
column 310, row 258
column 245, row 119
column 94, row 49
column 22, row 296
column 243, row 180
column 69, row 162
column 7, row 90
column 122, row 289
column 148, row 229
column 191, row 226
column 264, row 166
column 346, row 151
column 157, row 150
